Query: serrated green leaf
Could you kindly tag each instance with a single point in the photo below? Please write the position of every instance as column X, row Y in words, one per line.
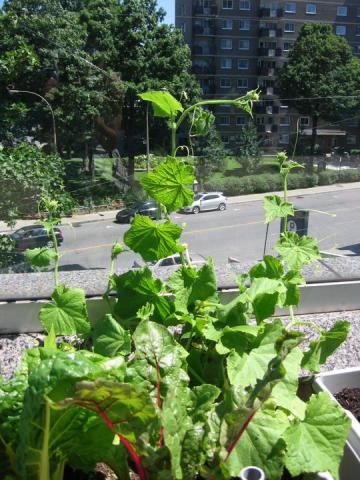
column 261, row 444
column 40, row 257
column 135, row 289
column 244, row 370
column 110, row 339
column 269, row 267
column 237, row 338
column 285, row 392
column 67, row 312
column 297, row 251
column 164, row 104
column 201, row 122
column 235, row 312
column 170, row 184
column 152, row 240
column 264, row 295
column 274, row 208
column 325, row 346
column 316, row 444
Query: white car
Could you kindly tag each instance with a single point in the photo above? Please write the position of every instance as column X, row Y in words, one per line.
column 173, row 260
column 207, row 201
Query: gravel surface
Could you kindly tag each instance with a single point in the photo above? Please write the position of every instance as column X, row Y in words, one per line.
column 348, row 355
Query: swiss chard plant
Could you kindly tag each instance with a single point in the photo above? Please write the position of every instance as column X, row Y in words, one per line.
column 175, row 384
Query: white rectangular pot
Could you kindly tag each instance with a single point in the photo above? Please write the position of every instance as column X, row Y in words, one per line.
column 333, row 382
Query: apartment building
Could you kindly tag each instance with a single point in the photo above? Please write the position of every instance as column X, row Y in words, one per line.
column 238, row 45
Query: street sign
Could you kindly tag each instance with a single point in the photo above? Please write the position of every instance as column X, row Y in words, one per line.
column 298, row 223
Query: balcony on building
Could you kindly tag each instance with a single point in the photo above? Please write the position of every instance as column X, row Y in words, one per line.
column 204, row 28
column 202, row 69
column 204, row 50
column 201, row 10
column 265, row 12
column 270, row 32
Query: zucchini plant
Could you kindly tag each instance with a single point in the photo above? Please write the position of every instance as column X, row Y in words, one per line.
column 175, row 384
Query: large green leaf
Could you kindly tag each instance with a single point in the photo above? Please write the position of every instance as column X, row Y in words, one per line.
column 170, row 184
column 260, row 445
column 297, row 251
column 325, row 346
column 67, row 313
column 285, row 392
column 154, row 343
column 135, row 289
column 40, row 257
column 244, row 370
column 235, row 312
column 275, row 208
column 269, row 267
column 164, row 104
column 110, row 339
column 264, row 296
column 153, row 240
column 127, row 407
column 316, row 444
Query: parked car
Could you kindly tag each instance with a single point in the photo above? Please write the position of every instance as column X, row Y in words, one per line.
column 207, row 201
column 196, row 260
column 35, row 236
column 149, row 209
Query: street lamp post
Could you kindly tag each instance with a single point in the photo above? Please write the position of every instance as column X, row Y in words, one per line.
column 12, row 92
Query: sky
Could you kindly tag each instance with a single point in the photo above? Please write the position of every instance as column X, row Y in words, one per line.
column 168, row 5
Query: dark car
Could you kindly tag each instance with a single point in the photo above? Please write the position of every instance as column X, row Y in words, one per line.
column 35, row 236
column 149, row 209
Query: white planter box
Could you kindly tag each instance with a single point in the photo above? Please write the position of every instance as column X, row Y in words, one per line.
column 333, row 382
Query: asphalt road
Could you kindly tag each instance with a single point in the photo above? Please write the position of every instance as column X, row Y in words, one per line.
column 238, row 232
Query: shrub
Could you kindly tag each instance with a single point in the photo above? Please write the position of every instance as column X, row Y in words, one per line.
column 352, row 175
column 328, row 177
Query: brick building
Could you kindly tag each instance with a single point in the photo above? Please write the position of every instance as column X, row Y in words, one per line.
column 238, row 45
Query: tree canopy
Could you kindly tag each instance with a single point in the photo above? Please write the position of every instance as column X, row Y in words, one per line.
column 320, row 74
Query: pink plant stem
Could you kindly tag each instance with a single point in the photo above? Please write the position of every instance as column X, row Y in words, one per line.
column 126, row 443
column 158, row 385
column 239, row 435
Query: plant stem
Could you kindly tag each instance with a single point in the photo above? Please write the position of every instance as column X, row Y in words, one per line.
column 296, row 323
column 239, row 435
column 196, row 375
column 56, row 258
column 285, row 200
column 174, row 128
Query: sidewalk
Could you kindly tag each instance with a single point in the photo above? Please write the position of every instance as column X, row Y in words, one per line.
column 256, row 197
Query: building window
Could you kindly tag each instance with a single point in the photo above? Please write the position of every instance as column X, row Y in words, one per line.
column 183, row 11
column 241, row 121
column 285, row 121
column 227, row 24
column 340, row 30
column 357, row 50
column 284, row 138
column 311, row 8
column 226, row 44
column 225, row 139
column 225, row 83
column 226, row 63
column 351, row 139
column 304, row 121
column 290, row 7
column 244, row 44
column 358, row 12
column 342, row 11
column 227, row 4
column 244, row 25
column 243, row 64
column 224, row 121
column 289, row 27
column 358, row 30
column 183, row 27
column 244, row 5
column 242, row 83
column 287, row 46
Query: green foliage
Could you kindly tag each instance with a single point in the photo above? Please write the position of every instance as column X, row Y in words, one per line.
column 249, row 151
column 8, row 255
column 27, row 175
column 40, row 257
column 164, row 104
column 175, row 384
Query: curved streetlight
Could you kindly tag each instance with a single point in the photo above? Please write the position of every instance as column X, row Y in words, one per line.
column 13, row 91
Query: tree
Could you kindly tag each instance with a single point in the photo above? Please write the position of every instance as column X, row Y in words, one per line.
column 321, row 70
column 28, row 174
column 210, row 155
column 249, row 152
column 159, row 59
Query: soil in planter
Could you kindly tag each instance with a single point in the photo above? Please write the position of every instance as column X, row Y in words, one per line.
column 349, row 398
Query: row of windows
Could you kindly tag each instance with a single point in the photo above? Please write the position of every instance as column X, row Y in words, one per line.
column 283, row 139
column 243, row 4
column 227, row 24
column 311, row 9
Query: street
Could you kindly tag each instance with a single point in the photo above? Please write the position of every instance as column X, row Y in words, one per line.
column 239, row 232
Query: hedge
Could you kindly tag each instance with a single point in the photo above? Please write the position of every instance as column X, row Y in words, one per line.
column 268, row 182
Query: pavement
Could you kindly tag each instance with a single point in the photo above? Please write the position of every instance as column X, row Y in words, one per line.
column 256, row 197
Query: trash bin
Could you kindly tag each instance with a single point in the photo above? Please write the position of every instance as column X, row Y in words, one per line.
column 298, row 223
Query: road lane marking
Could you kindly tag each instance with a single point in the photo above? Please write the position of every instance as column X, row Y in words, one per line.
column 224, row 227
